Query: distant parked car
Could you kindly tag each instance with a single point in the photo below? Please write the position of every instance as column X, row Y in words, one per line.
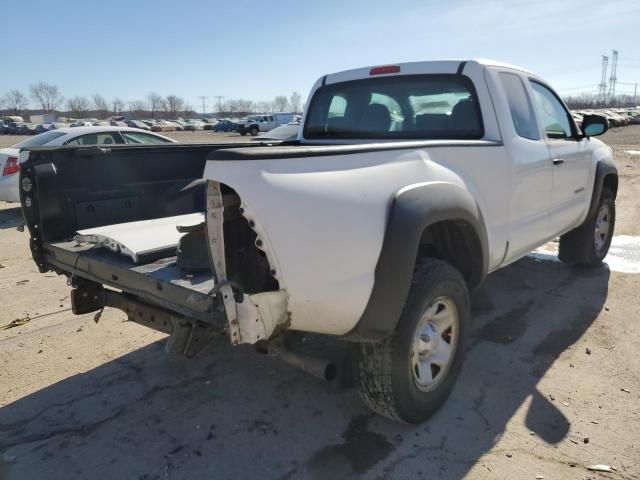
column 164, row 126
column 137, row 124
column 57, row 125
column 4, row 127
column 194, row 125
column 83, row 123
column 26, row 129
column 225, row 126
column 283, row 133
column 13, row 127
column 263, row 123
column 41, row 128
column 9, row 157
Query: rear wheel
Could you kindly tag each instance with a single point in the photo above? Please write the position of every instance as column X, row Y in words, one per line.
column 588, row 244
column 409, row 375
column 254, row 131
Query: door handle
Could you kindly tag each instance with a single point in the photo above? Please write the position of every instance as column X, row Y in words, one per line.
column 558, row 161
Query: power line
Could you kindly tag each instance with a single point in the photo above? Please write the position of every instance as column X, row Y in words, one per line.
column 613, row 79
column 603, row 78
column 202, row 99
column 219, row 97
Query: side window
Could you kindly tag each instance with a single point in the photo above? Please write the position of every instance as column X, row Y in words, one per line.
column 270, row 118
column 554, row 116
column 338, row 106
column 138, row 138
column 102, row 138
column 522, row 114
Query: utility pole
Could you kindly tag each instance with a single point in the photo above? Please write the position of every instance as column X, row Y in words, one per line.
column 219, row 97
column 603, row 80
column 613, row 78
column 635, row 91
column 202, row 99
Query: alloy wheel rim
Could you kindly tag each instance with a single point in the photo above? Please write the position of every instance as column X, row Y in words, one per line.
column 603, row 225
column 434, row 344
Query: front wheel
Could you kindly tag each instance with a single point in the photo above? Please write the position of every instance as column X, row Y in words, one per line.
column 410, row 374
column 588, row 244
column 254, row 131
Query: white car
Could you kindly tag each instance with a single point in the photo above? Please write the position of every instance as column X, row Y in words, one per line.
column 9, row 157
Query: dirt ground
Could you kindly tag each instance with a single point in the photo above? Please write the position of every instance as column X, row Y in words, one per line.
column 550, row 385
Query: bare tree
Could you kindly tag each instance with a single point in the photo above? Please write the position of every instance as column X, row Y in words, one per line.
column 280, row 103
column 156, row 103
column 118, row 106
column 245, row 106
column 174, row 104
column 78, row 106
column 101, row 106
column 47, row 95
column 294, row 102
column 15, row 101
column 138, row 107
column 264, row 107
column 188, row 111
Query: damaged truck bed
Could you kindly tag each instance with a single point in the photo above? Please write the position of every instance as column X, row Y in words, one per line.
column 106, row 218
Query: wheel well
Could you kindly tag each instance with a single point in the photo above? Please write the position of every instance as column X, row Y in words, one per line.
column 455, row 242
column 611, row 182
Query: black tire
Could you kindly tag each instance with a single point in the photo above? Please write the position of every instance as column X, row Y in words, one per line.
column 243, row 133
column 383, row 370
column 254, row 131
column 579, row 247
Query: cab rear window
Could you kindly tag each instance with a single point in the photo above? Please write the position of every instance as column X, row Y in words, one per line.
column 398, row 107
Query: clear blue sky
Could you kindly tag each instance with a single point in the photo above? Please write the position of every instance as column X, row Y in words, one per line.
column 257, row 50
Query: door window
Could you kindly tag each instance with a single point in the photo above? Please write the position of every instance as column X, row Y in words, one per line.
column 524, row 121
column 555, row 117
column 138, row 138
column 101, row 138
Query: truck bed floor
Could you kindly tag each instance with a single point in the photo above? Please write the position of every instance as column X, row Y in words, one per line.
column 160, row 282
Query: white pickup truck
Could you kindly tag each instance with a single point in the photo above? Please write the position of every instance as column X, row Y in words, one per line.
column 408, row 184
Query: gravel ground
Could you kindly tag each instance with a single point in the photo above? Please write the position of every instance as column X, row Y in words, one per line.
column 550, row 386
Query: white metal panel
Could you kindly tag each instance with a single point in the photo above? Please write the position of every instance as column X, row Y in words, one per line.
column 134, row 239
column 322, row 219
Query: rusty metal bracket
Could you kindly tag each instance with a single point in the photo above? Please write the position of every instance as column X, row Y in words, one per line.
column 186, row 336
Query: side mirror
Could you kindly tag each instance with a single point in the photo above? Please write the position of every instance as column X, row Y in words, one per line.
column 594, row 125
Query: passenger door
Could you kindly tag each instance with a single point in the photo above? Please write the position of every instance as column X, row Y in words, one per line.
column 569, row 156
column 531, row 177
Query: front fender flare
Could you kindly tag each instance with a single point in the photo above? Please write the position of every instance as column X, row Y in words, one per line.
column 603, row 170
column 412, row 210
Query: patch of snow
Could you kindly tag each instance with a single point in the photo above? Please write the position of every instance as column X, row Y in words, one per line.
column 633, row 152
column 623, row 256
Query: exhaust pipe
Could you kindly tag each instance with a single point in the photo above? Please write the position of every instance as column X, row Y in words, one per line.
column 318, row 367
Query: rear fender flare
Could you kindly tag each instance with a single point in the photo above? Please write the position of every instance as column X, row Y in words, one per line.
column 413, row 209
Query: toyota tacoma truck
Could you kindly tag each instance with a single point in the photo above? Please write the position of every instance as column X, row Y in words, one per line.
column 407, row 185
